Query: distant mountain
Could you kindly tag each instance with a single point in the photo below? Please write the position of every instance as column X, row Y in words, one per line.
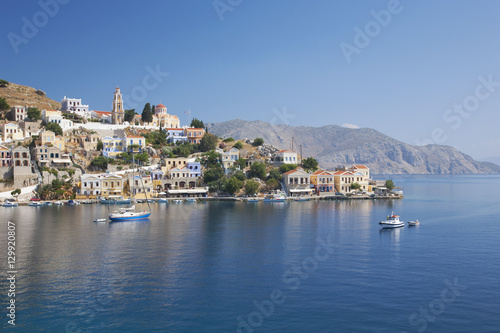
column 16, row 94
column 334, row 145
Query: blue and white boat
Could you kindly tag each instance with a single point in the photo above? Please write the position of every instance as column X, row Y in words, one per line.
column 9, row 204
column 115, row 200
column 162, row 200
column 278, row 196
column 129, row 214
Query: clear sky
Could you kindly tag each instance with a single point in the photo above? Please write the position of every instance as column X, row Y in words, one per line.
column 420, row 71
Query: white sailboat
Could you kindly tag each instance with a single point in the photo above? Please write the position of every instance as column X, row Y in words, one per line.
column 127, row 214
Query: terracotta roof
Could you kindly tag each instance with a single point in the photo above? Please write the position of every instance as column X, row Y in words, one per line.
column 359, row 166
column 103, row 112
column 134, row 136
column 286, row 151
column 160, row 106
column 289, row 172
column 347, row 173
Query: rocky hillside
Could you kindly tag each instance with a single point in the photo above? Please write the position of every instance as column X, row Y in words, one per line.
column 334, row 145
column 16, row 94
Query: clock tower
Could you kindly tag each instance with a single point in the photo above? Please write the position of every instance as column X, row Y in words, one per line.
column 117, row 113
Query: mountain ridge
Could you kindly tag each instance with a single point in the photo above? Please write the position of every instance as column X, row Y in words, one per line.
column 333, row 145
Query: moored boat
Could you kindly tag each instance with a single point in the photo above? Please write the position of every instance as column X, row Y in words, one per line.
column 191, row 200
column 413, row 223
column 162, row 200
column 392, row 221
column 47, row 203
column 9, row 204
column 100, row 220
column 277, row 196
column 115, row 200
column 35, row 204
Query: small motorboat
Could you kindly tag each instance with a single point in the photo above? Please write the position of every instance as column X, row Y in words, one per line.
column 162, row 200
column 178, row 201
column 301, row 199
column 413, row 223
column 100, row 220
column 35, row 204
column 47, row 203
column 9, row 204
column 191, row 200
column 58, row 203
column 252, row 200
column 391, row 222
column 72, row 202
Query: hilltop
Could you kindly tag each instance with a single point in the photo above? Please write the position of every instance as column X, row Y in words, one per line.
column 17, row 94
column 334, row 145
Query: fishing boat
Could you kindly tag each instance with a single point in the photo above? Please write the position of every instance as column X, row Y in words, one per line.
column 277, row 196
column 115, row 200
column 9, row 204
column 392, row 221
column 130, row 214
column 413, row 223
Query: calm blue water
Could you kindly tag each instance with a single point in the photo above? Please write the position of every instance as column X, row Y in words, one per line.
column 286, row 267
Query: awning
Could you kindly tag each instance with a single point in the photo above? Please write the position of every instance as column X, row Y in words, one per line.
column 300, row 190
column 59, row 160
column 181, row 191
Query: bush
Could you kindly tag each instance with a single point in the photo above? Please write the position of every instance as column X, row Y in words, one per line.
column 208, row 142
column 238, row 145
column 287, row 167
column 228, row 140
column 258, row 170
column 251, row 187
column 275, row 174
column 258, row 142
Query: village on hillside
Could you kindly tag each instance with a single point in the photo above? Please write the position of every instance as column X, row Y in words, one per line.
column 83, row 154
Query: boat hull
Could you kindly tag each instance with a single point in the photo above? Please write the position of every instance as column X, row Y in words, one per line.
column 115, row 202
column 128, row 217
column 392, row 225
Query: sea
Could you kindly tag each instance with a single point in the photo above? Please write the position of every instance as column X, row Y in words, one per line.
column 314, row 266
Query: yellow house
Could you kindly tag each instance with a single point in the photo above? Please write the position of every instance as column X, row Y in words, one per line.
column 142, row 188
column 323, row 182
column 11, row 131
column 175, row 162
column 134, row 140
column 112, row 185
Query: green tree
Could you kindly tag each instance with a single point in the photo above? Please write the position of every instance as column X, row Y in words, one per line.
column 100, row 162
column 210, row 159
column 100, row 145
column 34, row 114
column 196, row 123
column 233, row 185
column 238, row 145
column 310, row 163
column 275, row 174
column 183, row 149
column 258, row 142
column 147, row 114
column 212, row 175
column 4, row 83
column 389, row 184
column 54, row 128
column 3, row 104
column 240, row 175
column 355, row 186
column 251, row 187
column 208, row 142
column 242, row 163
column 129, row 115
column 258, row 170
column 272, row 184
column 287, row 167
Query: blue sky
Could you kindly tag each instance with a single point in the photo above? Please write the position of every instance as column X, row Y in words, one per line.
column 417, row 74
